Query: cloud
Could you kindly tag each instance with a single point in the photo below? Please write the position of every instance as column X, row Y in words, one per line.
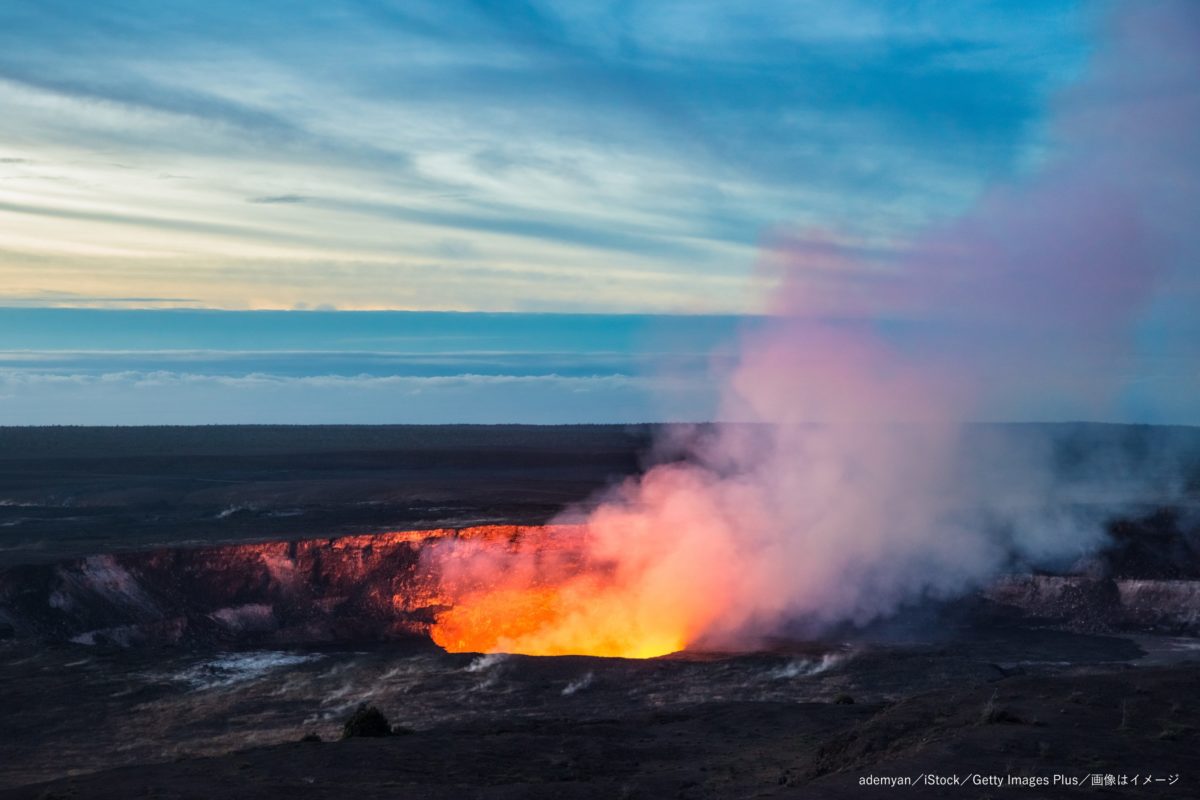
column 160, row 397
column 280, row 198
column 357, row 365
column 596, row 139
column 60, row 298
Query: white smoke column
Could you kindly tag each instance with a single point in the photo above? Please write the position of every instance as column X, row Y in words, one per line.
column 785, row 519
column 838, row 501
column 840, row 493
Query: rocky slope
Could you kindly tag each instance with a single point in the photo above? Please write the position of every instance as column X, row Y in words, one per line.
column 350, row 588
column 379, row 586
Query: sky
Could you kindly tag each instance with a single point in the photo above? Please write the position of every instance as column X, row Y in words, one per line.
column 614, row 175
column 181, row 367
column 507, row 156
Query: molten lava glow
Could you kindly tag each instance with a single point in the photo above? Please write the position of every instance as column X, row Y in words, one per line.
column 578, row 618
column 558, row 594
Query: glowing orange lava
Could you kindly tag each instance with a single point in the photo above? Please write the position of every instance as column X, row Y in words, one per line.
column 539, row 595
column 549, row 621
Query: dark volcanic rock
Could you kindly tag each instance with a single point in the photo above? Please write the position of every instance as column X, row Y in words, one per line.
column 1088, row 604
column 1129, row 721
column 353, row 588
column 1164, row 544
column 366, row 721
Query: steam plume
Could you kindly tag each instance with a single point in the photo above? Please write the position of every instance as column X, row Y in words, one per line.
column 843, row 497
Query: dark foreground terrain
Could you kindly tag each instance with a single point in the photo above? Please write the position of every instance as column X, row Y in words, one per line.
column 802, row 723
column 769, row 725
column 148, row 648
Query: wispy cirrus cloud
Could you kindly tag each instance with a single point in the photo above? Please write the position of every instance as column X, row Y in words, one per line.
column 279, row 198
column 594, row 141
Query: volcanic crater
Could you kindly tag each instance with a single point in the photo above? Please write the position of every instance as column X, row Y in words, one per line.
column 194, row 669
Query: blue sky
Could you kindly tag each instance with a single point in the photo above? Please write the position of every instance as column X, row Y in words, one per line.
column 614, row 174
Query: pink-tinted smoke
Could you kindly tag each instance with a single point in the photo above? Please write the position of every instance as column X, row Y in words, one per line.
column 838, row 499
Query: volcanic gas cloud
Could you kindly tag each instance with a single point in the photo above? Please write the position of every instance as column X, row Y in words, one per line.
column 837, row 497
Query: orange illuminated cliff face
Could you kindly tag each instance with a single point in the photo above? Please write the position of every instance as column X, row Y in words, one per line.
column 544, row 591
